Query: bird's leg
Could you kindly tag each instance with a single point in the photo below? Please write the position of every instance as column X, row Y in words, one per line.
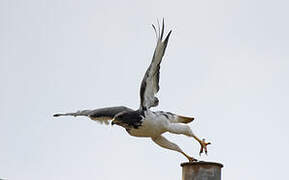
column 186, row 130
column 163, row 142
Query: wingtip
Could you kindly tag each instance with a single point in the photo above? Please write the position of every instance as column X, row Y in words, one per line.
column 159, row 28
column 56, row 115
column 154, row 27
column 168, row 36
column 163, row 28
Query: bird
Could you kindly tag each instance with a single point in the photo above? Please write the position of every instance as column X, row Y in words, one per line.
column 145, row 122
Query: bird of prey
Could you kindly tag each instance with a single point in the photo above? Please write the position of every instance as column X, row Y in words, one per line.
column 144, row 122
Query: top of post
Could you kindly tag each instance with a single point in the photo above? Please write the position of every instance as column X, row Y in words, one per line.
column 202, row 163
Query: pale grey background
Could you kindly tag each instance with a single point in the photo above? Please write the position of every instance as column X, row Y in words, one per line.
column 226, row 64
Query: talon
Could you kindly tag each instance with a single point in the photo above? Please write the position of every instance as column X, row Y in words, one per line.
column 204, row 147
column 191, row 159
column 201, row 151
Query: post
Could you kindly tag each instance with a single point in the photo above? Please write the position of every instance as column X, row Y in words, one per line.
column 201, row 170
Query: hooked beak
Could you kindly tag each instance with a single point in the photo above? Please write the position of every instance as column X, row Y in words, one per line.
column 113, row 122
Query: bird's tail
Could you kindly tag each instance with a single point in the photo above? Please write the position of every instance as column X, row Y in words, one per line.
column 78, row 113
column 183, row 119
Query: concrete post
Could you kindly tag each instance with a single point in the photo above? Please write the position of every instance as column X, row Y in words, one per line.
column 201, row 170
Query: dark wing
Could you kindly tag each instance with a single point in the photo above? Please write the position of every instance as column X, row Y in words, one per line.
column 101, row 115
column 150, row 83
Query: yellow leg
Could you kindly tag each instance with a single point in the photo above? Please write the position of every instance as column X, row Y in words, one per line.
column 179, row 128
column 163, row 142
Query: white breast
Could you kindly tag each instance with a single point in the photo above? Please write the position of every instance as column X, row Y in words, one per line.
column 153, row 125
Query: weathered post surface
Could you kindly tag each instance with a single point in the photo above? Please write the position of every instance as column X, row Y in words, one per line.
column 201, row 170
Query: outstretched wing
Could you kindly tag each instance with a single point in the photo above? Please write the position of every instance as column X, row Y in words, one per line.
column 150, row 83
column 102, row 115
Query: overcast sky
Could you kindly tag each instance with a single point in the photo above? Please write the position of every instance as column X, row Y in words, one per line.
column 227, row 64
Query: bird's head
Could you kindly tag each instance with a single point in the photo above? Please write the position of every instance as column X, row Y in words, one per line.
column 128, row 119
column 118, row 119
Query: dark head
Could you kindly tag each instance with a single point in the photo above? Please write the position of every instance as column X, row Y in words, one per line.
column 127, row 119
column 118, row 118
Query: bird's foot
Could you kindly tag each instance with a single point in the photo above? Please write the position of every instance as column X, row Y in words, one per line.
column 191, row 159
column 204, row 144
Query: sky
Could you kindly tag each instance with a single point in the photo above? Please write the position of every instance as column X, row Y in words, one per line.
column 226, row 64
